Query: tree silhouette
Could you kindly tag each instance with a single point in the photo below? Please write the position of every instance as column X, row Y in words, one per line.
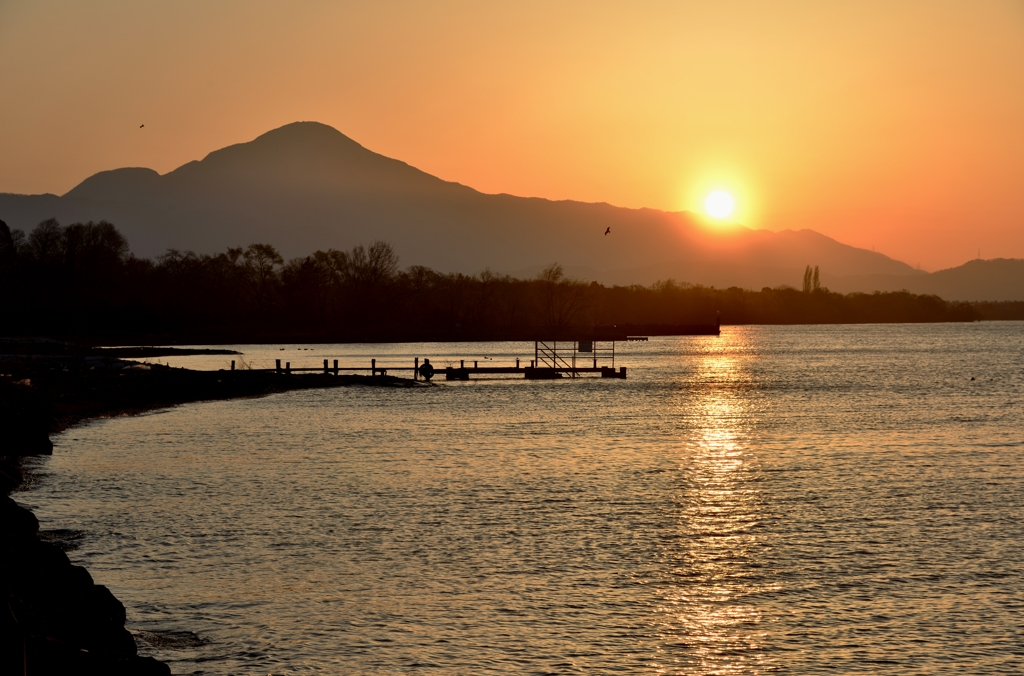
column 562, row 299
column 368, row 268
column 260, row 262
column 7, row 251
column 44, row 243
column 93, row 250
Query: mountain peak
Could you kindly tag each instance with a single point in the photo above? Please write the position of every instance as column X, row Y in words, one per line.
column 304, row 128
column 138, row 182
column 302, row 142
column 310, row 134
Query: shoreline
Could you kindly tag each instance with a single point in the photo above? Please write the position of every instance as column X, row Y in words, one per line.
column 58, row 621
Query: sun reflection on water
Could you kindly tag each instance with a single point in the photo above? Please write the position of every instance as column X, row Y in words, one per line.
column 719, row 558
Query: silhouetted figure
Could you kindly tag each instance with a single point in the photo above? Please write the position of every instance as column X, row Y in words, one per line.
column 607, row 230
column 427, row 371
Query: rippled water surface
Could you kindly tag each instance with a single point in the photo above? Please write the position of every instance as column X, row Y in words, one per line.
column 778, row 499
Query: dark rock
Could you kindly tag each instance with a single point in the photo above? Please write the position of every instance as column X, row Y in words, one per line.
column 106, row 603
column 48, row 657
column 16, row 522
column 54, row 619
column 10, row 477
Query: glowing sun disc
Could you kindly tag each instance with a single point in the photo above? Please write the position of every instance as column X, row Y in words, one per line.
column 719, row 204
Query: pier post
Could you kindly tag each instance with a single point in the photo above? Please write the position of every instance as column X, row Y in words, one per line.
column 517, row 362
column 373, row 367
column 475, row 364
column 325, row 367
column 335, row 367
column 287, row 368
column 416, row 368
column 232, row 364
column 462, row 363
column 277, row 369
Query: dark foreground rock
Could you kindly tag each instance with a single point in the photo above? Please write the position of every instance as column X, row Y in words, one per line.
column 55, row 620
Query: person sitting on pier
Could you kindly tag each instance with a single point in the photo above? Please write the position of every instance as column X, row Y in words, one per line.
column 427, row 371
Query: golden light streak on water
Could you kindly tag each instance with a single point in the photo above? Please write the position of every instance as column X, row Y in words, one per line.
column 720, row 508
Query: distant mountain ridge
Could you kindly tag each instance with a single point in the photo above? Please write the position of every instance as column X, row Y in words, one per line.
column 998, row 279
column 307, row 186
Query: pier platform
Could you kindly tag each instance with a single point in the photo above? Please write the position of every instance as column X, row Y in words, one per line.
column 552, row 360
column 532, row 372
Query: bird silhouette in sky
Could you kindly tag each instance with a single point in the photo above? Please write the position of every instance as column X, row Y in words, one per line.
column 141, row 126
column 607, row 230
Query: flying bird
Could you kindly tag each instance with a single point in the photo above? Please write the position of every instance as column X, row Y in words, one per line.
column 607, row 230
column 141, row 126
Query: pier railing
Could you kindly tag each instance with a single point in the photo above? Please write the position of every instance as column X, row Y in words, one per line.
column 552, row 359
column 574, row 356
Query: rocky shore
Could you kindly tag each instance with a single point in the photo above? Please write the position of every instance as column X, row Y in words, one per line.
column 56, row 619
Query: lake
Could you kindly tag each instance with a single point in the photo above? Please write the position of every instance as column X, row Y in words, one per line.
column 803, row 499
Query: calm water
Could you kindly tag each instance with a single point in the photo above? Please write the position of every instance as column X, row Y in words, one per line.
column 779, row 499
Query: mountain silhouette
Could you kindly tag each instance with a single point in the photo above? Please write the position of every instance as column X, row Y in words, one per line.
column 998, row 279
column 307, row 186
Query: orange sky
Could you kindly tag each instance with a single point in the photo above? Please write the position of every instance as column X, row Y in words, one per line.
column 898, row 125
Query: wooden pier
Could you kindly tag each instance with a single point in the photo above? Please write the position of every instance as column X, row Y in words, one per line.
column 551, row 360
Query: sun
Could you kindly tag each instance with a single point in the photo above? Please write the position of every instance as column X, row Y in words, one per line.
column 719, row 204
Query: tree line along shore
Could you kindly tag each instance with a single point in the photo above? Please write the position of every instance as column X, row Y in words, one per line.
column 81, row 282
